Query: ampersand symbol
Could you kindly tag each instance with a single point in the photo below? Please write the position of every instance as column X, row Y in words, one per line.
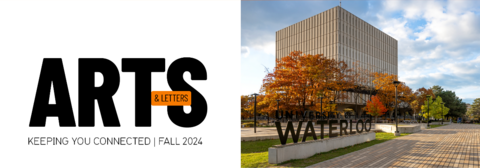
column 156, row 98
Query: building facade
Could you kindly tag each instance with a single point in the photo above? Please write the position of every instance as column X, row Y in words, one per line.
column 338, row 34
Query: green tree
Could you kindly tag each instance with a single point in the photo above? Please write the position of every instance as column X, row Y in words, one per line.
column 445, row 111
column 455, row 104
column 475, row 109
column 435, row 108
column 437, row 89
column 438, row 107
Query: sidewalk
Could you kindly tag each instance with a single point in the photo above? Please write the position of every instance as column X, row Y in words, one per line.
column 456, row 145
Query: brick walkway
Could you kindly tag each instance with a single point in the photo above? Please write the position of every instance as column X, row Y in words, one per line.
column 456, row 145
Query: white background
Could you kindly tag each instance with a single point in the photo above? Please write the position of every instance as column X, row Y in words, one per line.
column 207, row 31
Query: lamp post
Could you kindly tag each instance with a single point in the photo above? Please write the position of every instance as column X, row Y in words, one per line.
column 251, row 99
column 442, row 112
column 397, row 133
column 278, row 101
column 321, row 104
column 255, row 114
column 364, row 114
column 331, row 111
column 428, row 111
column 414, row 118
column 356, row 98
column 278, row 104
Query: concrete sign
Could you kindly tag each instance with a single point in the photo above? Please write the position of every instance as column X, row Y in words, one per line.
column 310, row 131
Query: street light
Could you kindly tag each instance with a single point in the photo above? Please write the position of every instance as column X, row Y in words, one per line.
column 321, row 104
column 255, row 114
column 356, row 98
column 364, row 114
column 442, row 112
column 250, row 100
column 331, row 110
column 428, row 110
column 397, row 133
column 268, row 117
column 278, row 101
column 433, row 100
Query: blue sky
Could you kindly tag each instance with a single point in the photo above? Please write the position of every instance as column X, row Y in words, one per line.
column 438, row 41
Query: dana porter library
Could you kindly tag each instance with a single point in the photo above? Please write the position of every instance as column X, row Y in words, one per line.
column 340, row 35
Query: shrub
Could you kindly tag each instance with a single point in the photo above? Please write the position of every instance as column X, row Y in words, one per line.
column 249, row 124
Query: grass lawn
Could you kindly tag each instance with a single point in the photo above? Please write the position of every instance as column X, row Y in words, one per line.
column 262, row 146
column 435, row 126
column 255, row 153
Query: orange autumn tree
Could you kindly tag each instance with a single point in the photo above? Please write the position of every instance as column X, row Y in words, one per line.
column 299, row 78
column 341, row 81
column 292, row 81
column 375, row 107
column 383, row 83
column 244, row 103
column 420, row 97
column 405, row 97
column 260, row 106
column 362, row 84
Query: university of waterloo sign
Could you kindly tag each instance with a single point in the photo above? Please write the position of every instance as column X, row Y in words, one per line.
column 310, row 131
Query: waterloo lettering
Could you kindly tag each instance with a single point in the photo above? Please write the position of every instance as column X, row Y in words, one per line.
column 310, row 129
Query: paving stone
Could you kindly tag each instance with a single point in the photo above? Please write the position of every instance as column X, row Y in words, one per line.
column 456, row 145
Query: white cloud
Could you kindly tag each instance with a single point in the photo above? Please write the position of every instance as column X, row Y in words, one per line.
column 414, row 9
column 437, row 41
column 455, row 23
column 395, row 27
column 266, row 47
column 465, row 68
column 454, row 75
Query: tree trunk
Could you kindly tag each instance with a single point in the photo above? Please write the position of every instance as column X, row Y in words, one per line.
column 376, row 119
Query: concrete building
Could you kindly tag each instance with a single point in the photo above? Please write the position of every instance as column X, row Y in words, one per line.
column 340, row 35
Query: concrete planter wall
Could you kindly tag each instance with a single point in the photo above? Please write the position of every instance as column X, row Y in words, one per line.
column 281, row 153
column 402, row 129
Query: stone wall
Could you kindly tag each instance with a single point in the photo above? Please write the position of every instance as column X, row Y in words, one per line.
column 281, row 153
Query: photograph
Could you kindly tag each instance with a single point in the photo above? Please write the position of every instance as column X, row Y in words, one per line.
column 360, row 83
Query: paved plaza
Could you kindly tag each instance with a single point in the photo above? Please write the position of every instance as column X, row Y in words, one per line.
column 456, row 145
